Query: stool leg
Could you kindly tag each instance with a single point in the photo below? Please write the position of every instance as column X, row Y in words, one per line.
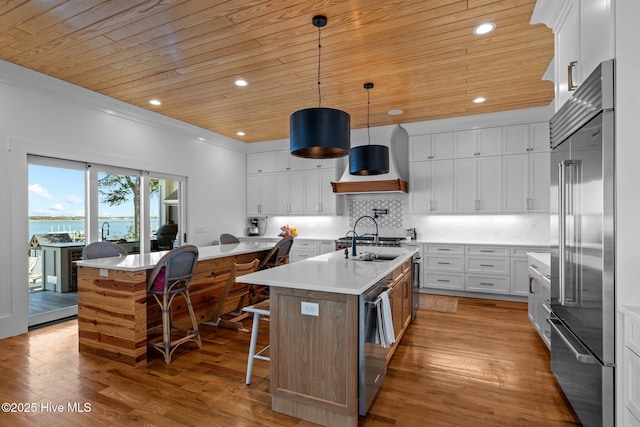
column 252, row 346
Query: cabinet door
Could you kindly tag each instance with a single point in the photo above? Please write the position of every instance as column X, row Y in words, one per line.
column 296, row 192
column 595, row 36
column 269, row 161
column 419, row 184
column 282, row 191
column 254, row 162
column 516, row 182
column 312, row 191
column 568, row 51
column 441, row 183
column 282, row 160
column 520, row 276
column 442, row 146
column 465, row 143
column 489, row 184
column 253, row 194
column 539, row 137
column 420, row 146
column 465, row 178
column 327, row 196
column 490, row 141
column 516, row 139
column 268, row 193
column 539, row 177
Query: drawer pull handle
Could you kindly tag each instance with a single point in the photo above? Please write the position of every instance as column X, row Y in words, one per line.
column 443, row 280
column 486, row 265
column 443, row 249
column 486, row 283
column 445, row 263
column 486, row 250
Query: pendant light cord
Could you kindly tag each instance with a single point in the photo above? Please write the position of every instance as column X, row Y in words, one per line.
column 368, row 109
column 319, row 49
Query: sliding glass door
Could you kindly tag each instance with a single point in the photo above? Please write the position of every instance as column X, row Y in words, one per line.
column 74, row 203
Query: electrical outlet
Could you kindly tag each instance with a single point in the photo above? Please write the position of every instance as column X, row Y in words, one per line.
column 201, row 229
column 309, row 308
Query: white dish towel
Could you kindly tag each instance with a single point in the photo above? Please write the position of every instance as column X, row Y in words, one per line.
column 386, row 335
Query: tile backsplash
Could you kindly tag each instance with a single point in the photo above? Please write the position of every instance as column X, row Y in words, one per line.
column 394, row 207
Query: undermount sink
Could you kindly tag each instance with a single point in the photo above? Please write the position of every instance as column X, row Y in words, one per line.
column 374, row 257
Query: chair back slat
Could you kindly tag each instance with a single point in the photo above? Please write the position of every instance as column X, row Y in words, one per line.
column 102, row 250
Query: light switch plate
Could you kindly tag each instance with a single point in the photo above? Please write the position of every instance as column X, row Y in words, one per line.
column 104, row 272
column 309, row 308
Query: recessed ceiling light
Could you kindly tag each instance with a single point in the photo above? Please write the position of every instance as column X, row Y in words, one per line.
column 395, row 112
column 155, row 102
column 200, row 138
column 479, row 100
column 485, row 28
column 240, row 133
column 241, row 82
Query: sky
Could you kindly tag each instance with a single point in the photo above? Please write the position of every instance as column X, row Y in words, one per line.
column 60, row 192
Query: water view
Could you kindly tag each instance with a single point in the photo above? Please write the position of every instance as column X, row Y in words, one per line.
column 118, row 228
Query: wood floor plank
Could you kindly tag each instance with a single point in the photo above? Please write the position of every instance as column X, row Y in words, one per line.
column 482, row 366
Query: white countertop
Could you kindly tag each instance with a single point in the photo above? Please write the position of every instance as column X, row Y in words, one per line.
column 542, row 257
column 139, row 262
column 331, row 272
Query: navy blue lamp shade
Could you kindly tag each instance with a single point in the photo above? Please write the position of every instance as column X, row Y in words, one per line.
column 320, row 133
column 369, row 160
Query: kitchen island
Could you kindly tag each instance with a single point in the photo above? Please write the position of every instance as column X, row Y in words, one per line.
column 113, row 314
column 315, row 329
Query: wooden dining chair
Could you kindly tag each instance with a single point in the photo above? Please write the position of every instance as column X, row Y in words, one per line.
column 233, row 298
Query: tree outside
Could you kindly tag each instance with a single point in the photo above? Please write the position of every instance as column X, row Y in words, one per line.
column 117, row 189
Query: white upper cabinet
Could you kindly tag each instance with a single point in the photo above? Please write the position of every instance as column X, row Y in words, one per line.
column 539, row 137
column 477, row 143
column 584, row 37
column 431, row 186
column 478, row 185
column 437, row 146
column 526, row 138
column 263, row 162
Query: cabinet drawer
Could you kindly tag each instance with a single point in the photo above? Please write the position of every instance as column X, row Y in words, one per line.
column 487, row 250
column 301, row 244
column 298, row 254
column 444, row 280
column 486, row 283
column 454, row 263
column 483, row 264
column 444, row 249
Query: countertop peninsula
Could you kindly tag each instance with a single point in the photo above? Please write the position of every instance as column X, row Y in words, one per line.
column 332, row 272
column 138, row 262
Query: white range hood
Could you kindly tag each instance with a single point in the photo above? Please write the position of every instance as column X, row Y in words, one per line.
column 397, row 139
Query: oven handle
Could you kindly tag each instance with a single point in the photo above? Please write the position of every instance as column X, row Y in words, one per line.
column 584, row 357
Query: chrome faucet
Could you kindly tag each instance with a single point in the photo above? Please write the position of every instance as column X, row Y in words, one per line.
column 102, row 229
column 353, row 238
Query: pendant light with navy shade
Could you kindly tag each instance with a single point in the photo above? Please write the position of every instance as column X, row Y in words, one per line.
column 369, row 159
column 319, row 133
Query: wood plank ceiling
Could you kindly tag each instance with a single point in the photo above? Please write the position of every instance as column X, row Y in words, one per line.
column 421, row 56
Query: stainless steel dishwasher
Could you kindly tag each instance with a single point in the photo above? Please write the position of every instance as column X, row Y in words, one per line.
column 372, row 357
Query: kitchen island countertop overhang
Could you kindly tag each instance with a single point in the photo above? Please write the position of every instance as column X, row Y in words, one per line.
column 332, row 272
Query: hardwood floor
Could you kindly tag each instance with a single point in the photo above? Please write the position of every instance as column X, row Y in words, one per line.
column 481, row 366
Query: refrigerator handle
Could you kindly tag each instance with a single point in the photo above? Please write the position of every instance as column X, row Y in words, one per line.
column 568, row 206
column 580, row 357
column 561, row 230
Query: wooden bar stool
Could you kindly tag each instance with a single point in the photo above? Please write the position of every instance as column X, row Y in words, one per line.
column 171, row 277
column 260, row 310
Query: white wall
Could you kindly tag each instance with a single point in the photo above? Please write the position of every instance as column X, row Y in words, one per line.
column 44, row 116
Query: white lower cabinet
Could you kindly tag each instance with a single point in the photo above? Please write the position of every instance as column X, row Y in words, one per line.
column 303, row 249
column 478, row 268
column 443, row 267
column 631, row 361
column 540, row 299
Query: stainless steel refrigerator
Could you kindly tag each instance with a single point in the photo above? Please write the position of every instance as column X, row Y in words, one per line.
column 583, row 248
